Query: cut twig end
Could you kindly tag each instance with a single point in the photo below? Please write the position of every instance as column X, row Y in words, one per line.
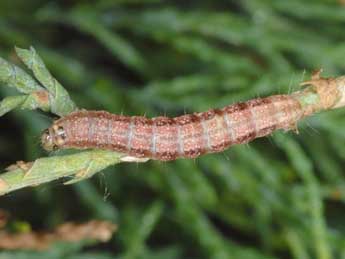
column 326, row 88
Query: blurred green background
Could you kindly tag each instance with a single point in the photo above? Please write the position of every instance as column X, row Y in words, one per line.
column 277, row 197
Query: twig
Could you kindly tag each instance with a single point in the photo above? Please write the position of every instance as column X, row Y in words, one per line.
column 77, row 166
column 94, row 230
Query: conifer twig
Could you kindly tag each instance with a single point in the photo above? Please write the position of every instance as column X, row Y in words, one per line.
column 50, row 96
column 48, row 169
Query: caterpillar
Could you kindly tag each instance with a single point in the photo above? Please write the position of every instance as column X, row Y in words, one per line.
column 191, row 135
column 164, row 138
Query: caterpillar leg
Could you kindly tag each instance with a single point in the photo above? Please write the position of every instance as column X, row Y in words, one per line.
column 134, row 159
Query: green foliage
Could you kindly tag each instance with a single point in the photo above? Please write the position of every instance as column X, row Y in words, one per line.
column 54, row 98
column 278, row 197
column 79, row 166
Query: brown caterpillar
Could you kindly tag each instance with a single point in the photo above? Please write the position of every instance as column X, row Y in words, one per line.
column 186, row 136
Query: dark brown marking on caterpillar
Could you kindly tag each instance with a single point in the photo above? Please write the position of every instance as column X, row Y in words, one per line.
column 164, row 138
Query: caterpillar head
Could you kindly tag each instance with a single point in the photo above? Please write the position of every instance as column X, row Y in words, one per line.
column 53, row 138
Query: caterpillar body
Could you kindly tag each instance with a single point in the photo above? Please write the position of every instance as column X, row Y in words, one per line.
column 186, row 136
